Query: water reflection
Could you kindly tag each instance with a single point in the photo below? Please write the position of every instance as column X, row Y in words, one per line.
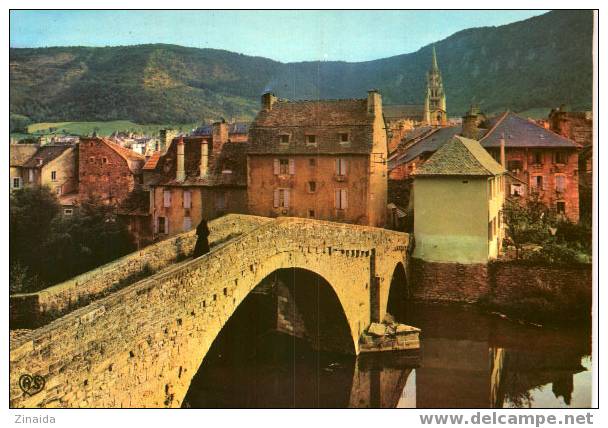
column 467, row 359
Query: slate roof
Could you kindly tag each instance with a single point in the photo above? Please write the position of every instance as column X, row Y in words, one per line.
column 21, row 153
column 326, row 119
column 232, row 157
column 233, row 128
column 521, row 132
column 460, row 157
column 435, row 138
column 46, row 153
column 397, row 112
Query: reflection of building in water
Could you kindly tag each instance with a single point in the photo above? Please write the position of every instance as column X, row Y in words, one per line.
column 527, row 370
column 379, row 379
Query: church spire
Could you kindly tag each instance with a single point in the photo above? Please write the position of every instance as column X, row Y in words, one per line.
column 435, row 112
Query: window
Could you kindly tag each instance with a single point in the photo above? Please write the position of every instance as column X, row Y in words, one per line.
column 514, row 165
column 311, row 213
column 68, row 211
column 312, row 162
column 517, row 190
column 281, row 198
column 104, row 160
column 161, row 225
column 561, row 207
column 284, row 138
column 537, row 182
column 343, row 137
column 92, row 158
column 311, row 139
column 58, row 190
column 312, row 186
column 187, row 224
column 284, row 166
column 167, row 198
column 220, row 202
column 561, row 157
column 31, row 175
column 187, row 199
column 560, row 183
column 16, row 182
column 341, row 199
column 537, row 158
column 54, row 175
column 341, row 166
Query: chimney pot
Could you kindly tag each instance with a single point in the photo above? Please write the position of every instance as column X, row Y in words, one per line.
column 180, row 174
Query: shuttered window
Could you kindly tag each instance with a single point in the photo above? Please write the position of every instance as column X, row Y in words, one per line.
column 560, row 183
column 281, row 198
column 341, row 166
column 341, row 199
column 167, row 198
column 187, row 224
column 187, row 199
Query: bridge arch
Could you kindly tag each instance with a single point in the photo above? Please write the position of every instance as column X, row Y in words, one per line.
column 398, row 292
column 147, row 340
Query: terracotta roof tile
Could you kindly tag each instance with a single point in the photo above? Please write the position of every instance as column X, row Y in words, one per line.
column 152, row 161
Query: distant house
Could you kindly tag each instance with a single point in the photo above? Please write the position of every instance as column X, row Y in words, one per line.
column 235, row 132
column 54, row 166
column 198, row 177
column 319, row 159
column 538, row 160
column 458, row 199
column 19, row 154
column 107, row 170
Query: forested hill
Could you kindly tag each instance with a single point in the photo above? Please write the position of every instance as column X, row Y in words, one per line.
column 537, row 63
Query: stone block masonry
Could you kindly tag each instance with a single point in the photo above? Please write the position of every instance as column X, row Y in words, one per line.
column 140, row 346
column 32, row 310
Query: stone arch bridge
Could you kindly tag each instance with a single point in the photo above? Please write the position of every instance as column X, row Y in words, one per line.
column 141, row 345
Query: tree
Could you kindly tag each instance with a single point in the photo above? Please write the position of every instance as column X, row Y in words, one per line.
column 527, row 221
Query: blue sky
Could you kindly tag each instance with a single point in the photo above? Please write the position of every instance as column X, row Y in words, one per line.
column 281, row 35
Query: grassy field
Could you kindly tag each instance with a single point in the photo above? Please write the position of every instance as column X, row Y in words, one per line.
column 101, row 128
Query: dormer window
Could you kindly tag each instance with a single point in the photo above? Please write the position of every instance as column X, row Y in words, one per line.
column 284, row 138
column 343, row 137
column 311, row 139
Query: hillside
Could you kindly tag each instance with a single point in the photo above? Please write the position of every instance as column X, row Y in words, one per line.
column 533, row 64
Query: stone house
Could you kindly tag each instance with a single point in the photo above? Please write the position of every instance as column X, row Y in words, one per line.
column 458, row 199
column 537, row 159
column 544, row 162
column 319, row 159
column 107, row 170
column 19, row 154
column 198, row 177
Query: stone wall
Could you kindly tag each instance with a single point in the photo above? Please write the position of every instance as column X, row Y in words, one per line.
column 541, row 291
column 35, row 309
column 447, row 281
column 533, row 292
column 141, row 346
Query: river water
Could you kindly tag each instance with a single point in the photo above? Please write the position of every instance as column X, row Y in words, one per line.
column 468, row 359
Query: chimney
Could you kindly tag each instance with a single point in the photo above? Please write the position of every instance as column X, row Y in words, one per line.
column 374, row 103
column 180, row 174
column 502, row 151
column 219, row 133
column 204, row 164
column 469, row 124
column 268, row 100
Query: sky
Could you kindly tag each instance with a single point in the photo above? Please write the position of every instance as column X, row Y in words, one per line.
column 286, row 36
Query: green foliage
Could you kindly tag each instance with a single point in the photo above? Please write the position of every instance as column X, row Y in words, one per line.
column 534, row 64
column 46, row 248
column 18, row 123
column 541, row 236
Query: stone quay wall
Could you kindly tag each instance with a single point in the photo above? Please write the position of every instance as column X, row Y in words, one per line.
column 141, row 346
column 565, row 291
column 30, row 310
column 515, row 286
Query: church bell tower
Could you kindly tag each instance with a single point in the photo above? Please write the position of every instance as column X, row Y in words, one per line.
column 435, row 113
